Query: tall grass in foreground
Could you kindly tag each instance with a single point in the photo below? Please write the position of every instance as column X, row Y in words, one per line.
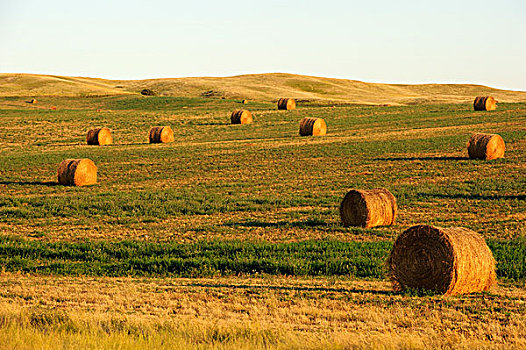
column 210, row 258
column 40, row 328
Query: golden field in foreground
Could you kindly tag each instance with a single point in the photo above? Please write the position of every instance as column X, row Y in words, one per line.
column 247, row 313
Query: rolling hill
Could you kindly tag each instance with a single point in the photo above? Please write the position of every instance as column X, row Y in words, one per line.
column 263, row 87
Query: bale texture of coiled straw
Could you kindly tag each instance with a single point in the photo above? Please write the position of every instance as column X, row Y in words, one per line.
column 485, row 103
column 368, row 208
column 486, row 146
column 99, row 136
column 241, row 116
column 286, row 103
column 77, row 172
column 313, row 127
column 161, row 134
column 448, row 261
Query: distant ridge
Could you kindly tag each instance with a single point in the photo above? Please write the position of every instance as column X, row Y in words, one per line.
column 262, row 87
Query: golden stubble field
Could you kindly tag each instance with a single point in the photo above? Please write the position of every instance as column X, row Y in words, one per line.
column 251, row 312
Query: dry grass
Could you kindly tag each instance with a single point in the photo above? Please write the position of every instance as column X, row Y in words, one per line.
column 258, row 87
column 250, row 313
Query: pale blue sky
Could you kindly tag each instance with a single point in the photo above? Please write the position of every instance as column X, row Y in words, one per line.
column 392, row 41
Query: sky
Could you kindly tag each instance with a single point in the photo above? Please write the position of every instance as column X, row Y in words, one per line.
column 404, row 41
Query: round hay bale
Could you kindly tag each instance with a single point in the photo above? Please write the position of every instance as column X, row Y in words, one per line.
column 54, row 108
column 34, row 100
column 485, row 103
column 241, row 116
column 286, row 103
column 448, row 261
column 99, row 136
column 313, row 127
column 368, row 208
column 147, row 92
column 77, row 172
column 161, row 134
column 486, row 146
column 244, row 102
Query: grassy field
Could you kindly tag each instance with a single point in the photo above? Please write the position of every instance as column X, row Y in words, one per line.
column 232, row 203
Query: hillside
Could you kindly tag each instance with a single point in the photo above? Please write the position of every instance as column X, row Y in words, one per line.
column 262, row 87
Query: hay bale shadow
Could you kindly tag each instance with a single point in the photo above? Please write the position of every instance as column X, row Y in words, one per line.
column 294, row 288
column 421, row 158
column 472, row 196
column 295, row 224
column 30, row 183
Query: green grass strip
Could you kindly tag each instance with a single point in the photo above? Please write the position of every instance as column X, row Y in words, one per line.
column 210, row 258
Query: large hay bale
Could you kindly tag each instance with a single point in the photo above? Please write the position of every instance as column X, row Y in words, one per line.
column 161, row 134
column 449, row 261
column 484, row 103
column 241, row 116
column 286, row 103
column 368, row 208
column 486, row 146
column 244, row 102
column 77, row 172
column 313, row 127
column 99, row 136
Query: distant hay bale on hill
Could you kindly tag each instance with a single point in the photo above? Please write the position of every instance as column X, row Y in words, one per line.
column 486, row 146
column 161, row 134
column 484, row 103
column 77, row 172
column 449, row 261
column 244, row 102
column 286, row 103
column 368, row 208
column 313, row 127
column 147, row 92
column 241, row 116
column 33, row 101
column 99, row 136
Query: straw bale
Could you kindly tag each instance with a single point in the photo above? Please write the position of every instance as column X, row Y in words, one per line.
column 147, row 92
column 448, row 261
column 286, row 103
column 368, row 208
column 161, row 134
column 241, row 116
column 99, row 136
column 485, row 103
column 77, row 172
column 313, row 127
column 486, row 146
